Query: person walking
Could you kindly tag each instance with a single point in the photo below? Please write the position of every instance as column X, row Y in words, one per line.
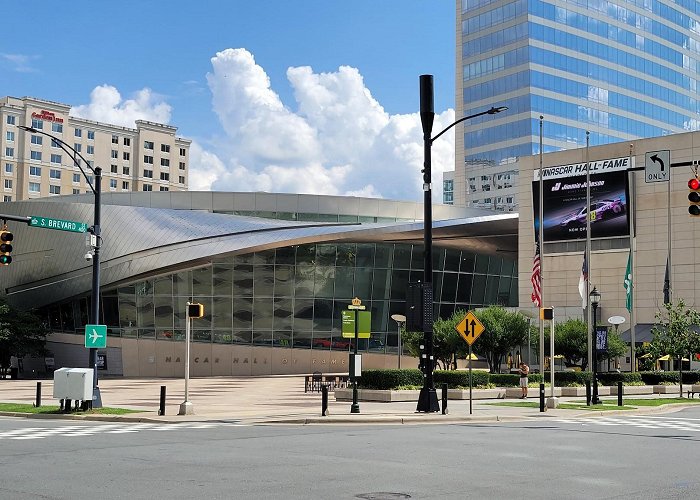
column 524, row 371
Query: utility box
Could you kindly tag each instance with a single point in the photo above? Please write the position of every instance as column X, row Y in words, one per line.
column 73, row 383
column 60, row 383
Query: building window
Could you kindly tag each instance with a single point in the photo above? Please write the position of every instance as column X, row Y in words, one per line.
column 113, row 169
column 125, row 185
column 37, row 124
column 147, row 187
column 10, row 152
column 8, row 183
column 91, row 135
column 91, row 164
column 54, row 189
column 148, row 173
column 56, row 159
column 164, row 188
column 10, row 136
column 181, row 179
column 164, row 176
column 126, row 155
column 115, row 139
column 147, row 144
column 57, row 127
column 78, row 132
column 90, row 149
column 9, row 168
column 113, row 183
column 183, row 151
column 78, row 147
column 7, row 198
column 164, row 162
column 37, row 139
column 10, row 119
column 54, row 144
column 164, row 148
column 76, row 191
column 127, row 141
column 126, row 170
column 115, row 153
column 54, row 174
column 34, row 187
column 35, row 155
column 36, row 171
column 182, row 165
column 148, row 159
column 76, row 178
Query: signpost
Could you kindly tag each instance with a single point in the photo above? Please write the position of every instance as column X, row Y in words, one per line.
column 470, row 328
column 96, row 336
column 192, row 310
column 355, row 361
column 657, row 166
column 59, row 224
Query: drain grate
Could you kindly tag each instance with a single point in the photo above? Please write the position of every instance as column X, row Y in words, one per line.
column 383, row 495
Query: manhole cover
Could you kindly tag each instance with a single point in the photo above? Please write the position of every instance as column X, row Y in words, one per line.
column 383, row 495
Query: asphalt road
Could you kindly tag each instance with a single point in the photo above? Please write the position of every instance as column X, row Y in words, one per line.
column 613, row 457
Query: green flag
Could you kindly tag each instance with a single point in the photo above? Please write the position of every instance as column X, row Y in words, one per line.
column 628, row 283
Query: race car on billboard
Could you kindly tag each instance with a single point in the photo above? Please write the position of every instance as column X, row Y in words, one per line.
column 601, row 210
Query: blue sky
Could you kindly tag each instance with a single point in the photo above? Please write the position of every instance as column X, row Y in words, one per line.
column 159, row 53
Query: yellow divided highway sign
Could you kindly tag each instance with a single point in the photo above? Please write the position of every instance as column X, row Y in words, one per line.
column 470, row 328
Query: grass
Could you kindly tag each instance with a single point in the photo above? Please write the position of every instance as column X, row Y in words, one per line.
column 49, row 409
column 606, row 404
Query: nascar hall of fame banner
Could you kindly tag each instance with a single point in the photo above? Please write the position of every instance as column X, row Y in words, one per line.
column 564, row 209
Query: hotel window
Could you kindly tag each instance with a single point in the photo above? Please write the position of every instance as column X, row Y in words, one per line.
column 56, row 159
column 54, row 144
column 8, row 183
column 10, row 120
column 126, row 170
column 147, row 145
column 164, row 162
column 7, row 198
column 125, row 185
column 10, row 136
column 57, row 127
column 115, row 139
column 8, row 168
column 164, row 176
column 10, row 152
column 35, row 155
column 164, row 188
column 165, row 148
column 34, row 187
column 182, row 165
column 76, row 178
column 126, row 155
column 181, row 179
column 148, row 173
column 147, row 187
column 113, row 184
column 91, row 179
column 35, row 171
column 78, row 147
column 37, row 139
column 54, row 174
column 76, row 191
column 90, row 149
column 78, row 132
column 113, row 169
column 115, row 153
column 54, row 189
column 183, row 151
column 148, row 159
column 37, row 124
column 127, row 141
column 91, row 135
column 91, row 164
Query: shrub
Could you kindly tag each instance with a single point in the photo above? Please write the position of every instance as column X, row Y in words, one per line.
column 658, row 378
column 390, row 379
column 691, row 377
column 505, row 379
column 627, row 378
column 460, row 378
column 570, row 379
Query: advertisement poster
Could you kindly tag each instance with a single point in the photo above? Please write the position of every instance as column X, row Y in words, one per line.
column 564, row 210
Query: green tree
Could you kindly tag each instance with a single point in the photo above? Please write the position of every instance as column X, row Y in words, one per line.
column 503, row 331
column 448, row 345
column 673, row 335
column 22, row 333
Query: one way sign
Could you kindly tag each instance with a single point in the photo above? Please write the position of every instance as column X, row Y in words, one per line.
column 470, row 328
column 657, row 166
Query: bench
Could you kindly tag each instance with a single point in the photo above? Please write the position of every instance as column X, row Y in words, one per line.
column 314, row 382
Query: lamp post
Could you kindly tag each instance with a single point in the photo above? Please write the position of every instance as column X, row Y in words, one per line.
column 400, row 320
column 595, row 299
column 427, row 400
column 95, row 230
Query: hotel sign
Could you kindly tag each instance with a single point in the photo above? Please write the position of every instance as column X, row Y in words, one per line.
column 47, row 115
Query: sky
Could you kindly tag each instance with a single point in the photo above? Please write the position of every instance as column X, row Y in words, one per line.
column 296, row 96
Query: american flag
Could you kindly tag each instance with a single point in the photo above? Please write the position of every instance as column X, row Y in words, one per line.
column 536, row 278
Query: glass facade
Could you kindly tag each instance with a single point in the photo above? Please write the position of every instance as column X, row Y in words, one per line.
column 293, row 296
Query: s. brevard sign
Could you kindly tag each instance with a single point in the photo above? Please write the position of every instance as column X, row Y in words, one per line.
column 564, row 209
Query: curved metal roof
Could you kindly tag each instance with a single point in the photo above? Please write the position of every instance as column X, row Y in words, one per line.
column 49, row 265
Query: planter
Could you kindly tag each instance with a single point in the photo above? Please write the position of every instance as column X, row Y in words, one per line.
column 377, row 395
column 631, row 390
column 573, row 391
column 515, row 392
column 667, row 389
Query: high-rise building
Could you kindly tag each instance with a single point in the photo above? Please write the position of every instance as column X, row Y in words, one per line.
column 148, row 158
column 621, row 70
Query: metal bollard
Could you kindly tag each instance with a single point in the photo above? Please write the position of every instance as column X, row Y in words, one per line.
column 444, row 399
column 37, row 403
column 161, row 410
column 588, row 393
column 324, row 400
column 542, row 398
column 67, row 406
column 619, row 394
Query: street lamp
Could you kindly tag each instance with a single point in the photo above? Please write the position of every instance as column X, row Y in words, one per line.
column 400, row 320
column 95, row 230
column 427, row 400
column 595, row 299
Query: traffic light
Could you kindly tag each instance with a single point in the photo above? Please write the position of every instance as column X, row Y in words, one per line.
column 694, row 197
column 5, row 246
column 546, row 313
column 195, row 310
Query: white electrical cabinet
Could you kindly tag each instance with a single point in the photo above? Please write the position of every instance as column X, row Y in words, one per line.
column 73, row 383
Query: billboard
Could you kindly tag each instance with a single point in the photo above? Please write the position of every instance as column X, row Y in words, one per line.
column 564, row 210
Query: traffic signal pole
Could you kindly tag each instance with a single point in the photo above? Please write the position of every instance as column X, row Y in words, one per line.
column 95, row 304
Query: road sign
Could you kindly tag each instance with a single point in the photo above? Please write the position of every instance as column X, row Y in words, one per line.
column 470, row 328
column 96, row 336
column 657, row 166
column 364, row 323
column 61, row 225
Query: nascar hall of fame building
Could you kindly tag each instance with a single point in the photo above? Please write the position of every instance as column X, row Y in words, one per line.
column 273, row 271
column 621, row 199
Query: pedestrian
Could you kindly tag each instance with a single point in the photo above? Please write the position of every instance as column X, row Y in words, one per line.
column 524, row 371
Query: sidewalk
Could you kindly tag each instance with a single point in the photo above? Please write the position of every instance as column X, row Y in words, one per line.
column 279, row 399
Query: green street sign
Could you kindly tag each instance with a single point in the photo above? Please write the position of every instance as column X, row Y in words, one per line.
column 364, row 320
column 96, row 336
column 61, row 225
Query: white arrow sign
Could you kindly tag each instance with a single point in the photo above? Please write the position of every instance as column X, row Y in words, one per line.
column 657, row 166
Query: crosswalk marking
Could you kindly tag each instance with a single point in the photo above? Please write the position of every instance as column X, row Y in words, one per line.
column 641, row 421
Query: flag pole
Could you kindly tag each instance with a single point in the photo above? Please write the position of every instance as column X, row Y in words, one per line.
column 633, row 316
column 587, row 256
column 541, row 241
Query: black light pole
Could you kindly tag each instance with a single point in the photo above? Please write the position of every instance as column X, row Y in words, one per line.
column 595, row 298
column 427, row 400
column 95, row 230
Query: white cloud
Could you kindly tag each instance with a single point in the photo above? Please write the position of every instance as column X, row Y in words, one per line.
column 22, row 63
column 107, row 106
